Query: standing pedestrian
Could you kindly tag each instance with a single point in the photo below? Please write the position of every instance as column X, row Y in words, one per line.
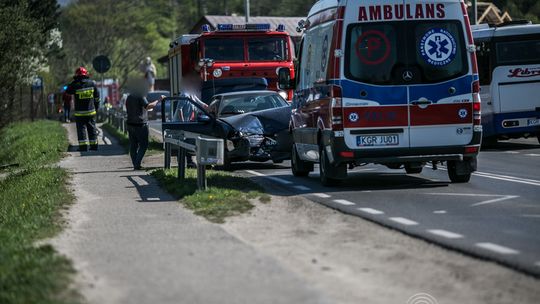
column 68, row 100
column 137, row 123
column 86, row 104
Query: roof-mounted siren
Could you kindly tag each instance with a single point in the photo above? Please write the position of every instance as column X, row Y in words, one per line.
column 243, row 27
column 280, row 28
column 205, row 28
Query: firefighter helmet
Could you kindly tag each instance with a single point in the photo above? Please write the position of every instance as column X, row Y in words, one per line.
column 81, row 71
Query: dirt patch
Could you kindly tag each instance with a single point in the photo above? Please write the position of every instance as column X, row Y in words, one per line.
column 356, row 261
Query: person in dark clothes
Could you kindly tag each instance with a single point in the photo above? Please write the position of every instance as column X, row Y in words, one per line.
column 86, row 104
column 67, row 100
column 137, row 124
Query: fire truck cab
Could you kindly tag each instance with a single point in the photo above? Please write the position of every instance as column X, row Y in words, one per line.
column 239, row 51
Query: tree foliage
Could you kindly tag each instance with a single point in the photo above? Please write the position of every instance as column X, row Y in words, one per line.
column 521, row 9
column 26, row 29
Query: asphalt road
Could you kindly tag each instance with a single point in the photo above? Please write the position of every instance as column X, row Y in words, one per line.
column 495, row 216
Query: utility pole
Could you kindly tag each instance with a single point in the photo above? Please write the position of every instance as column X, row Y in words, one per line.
column 474, row 16
column 246, row 7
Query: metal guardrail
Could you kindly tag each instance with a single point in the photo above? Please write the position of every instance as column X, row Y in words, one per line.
column 208, row 151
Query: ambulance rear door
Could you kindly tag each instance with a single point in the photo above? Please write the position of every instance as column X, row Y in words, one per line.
column 438, row 74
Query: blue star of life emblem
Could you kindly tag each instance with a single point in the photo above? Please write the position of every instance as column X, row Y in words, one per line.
column 438, row 47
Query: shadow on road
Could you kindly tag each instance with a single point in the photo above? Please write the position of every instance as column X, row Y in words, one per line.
column 502, row 146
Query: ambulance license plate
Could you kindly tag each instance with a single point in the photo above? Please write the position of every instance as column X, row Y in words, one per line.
column 377, row 140
column 533, row 122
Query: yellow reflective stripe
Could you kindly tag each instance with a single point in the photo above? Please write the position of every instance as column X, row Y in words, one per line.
column 85, row 93
column 83, row 142
column 85, row 113
column 93, row 142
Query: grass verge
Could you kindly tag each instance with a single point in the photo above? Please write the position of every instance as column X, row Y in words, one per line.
column 227, row 194
column 30, row 200
column 154, row 146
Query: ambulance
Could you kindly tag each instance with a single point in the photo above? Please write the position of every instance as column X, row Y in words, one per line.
column 385, row 82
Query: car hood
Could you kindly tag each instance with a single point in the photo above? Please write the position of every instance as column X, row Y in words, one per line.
column 265, row 122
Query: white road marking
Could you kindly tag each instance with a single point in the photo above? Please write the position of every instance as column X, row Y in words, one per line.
column 531, row 215
column 532, row 154
column 371, row 210
column 511, row 152
column 404, row 221
column 439, row 211
column 276, row 179
column 499, row 197
column 497, row 248
column 153, row 199
column 445, row 233
column 503, row 177
column 302, row 188
column 255, row 173
column 279, row 180
column 321, row 195
column 508, row 178
column 344, row 202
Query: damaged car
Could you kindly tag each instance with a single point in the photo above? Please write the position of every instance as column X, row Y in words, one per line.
column 253, row 124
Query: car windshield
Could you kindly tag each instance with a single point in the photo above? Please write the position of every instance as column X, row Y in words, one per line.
column 224, row 49
column 267, row 49
column 240, row 104
column 381, row 53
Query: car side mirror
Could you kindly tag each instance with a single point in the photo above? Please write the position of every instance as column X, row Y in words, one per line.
column 203, row 118
column 284, row 79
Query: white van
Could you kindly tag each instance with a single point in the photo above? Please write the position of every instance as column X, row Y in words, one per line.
column 509, row 62
column 387, row 82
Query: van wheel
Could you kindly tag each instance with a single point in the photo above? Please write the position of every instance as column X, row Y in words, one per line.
column 299, row 167
column 413, row 169
column 325, row 167
column 490, row 141
column 453, row 173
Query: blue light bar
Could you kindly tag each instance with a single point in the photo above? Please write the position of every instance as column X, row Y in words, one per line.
column 244, row 27
column 280, row 28
column 205, row 28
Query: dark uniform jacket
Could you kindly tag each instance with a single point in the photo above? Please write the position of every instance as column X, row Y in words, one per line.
column 86, row 96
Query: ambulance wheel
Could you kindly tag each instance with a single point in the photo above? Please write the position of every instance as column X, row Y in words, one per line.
column 325, row 167
column 453, row 174
column 299, row 167
column 410, row 169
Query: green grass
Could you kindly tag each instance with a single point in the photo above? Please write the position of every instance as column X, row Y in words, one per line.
column 32, row 144
column 30, row 200
column 154, row 146
column 227, row 194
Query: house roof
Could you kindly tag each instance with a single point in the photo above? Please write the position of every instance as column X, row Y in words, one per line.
column 213, row 20
column 489, row 13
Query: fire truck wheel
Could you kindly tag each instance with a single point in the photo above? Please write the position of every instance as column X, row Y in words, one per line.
column 327, row 179
column 299, row 167
column 454, row 174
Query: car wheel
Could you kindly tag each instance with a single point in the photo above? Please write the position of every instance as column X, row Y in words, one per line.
column 413, row 169
column 324, row 168
column 299, row 167
column 454, row 176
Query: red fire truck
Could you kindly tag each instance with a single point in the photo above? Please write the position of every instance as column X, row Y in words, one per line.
column 243, row 52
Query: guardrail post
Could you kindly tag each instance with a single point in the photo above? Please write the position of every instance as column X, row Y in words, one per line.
column 167, row 161
column 181, row 157
column 201, row 177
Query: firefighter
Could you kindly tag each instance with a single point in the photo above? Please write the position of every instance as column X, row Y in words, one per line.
column 86, row 104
